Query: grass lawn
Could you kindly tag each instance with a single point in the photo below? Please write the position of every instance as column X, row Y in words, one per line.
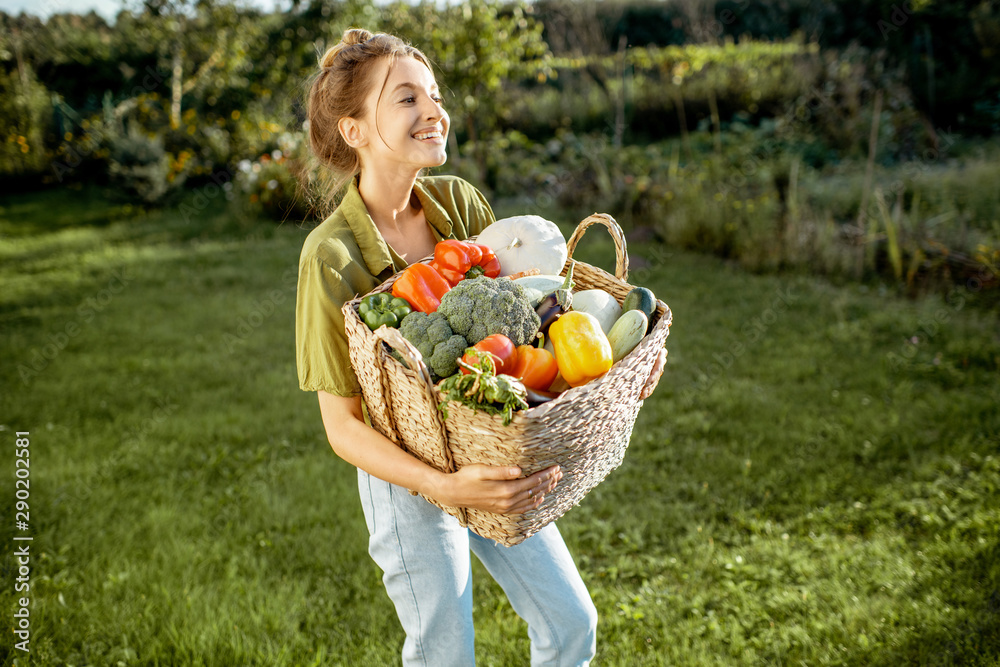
column 815, row 481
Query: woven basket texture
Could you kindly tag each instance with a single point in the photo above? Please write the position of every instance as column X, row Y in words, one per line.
column 586, row 430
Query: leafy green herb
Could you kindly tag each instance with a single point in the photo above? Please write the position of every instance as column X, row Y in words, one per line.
column 481, row 389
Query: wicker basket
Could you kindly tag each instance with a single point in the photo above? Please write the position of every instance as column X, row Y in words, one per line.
column 585, row 430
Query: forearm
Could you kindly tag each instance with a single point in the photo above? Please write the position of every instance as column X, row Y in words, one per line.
column 367, row 449
column 495, row 489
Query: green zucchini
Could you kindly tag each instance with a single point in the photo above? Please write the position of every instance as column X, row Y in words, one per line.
column 627, row 332
column 642, row 299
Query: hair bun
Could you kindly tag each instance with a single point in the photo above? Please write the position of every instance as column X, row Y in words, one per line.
column 352, row 37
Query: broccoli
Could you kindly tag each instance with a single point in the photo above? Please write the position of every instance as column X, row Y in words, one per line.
column 438, row 344
column 479, row 307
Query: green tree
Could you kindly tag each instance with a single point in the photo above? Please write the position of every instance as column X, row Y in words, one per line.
column 478, row 47
column 201, row 43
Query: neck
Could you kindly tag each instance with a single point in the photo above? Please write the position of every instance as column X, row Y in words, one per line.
column 388, row 198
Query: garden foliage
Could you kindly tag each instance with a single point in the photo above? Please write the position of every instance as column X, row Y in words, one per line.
column 799, row 134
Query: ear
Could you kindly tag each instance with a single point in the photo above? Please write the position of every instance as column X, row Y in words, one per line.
column 352, row 131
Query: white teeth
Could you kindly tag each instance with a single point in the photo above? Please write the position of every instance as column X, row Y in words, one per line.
column 427, row 135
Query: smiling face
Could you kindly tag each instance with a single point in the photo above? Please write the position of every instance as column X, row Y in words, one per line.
column 404, row 125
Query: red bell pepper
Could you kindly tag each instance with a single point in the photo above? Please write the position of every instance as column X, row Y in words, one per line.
column 422, row 287
column 458, row 260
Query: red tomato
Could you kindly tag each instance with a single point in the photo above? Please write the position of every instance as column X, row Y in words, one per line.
column 502, row 353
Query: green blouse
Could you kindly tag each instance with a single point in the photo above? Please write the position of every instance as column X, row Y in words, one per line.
column 345, row 256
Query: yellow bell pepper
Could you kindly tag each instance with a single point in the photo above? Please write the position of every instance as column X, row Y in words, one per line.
column 582, row 349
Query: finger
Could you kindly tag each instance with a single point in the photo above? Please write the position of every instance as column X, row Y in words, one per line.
column 545, row 485
column 654, row 376
column 542, row 475
column 500, row 473
column 542, row 482
column 530, row 496
column 647, row 390
column 526, row 504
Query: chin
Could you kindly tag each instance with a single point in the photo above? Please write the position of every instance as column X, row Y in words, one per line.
column 440, row 160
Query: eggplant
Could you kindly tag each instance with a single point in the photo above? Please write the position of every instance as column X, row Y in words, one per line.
column 536, row 396
column 555, row 303
column 549, row 311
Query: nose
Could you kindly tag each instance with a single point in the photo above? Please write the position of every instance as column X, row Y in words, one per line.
column 433, row 110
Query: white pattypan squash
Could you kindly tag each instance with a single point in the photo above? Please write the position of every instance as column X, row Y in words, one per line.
column 525, row 242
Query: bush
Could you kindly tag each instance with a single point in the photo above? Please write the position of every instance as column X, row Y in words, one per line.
column 141, row 169
column 27, row 114
column 275, row 184
column 758, row 200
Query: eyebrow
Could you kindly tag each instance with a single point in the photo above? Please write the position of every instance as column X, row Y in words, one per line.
column 411, row 86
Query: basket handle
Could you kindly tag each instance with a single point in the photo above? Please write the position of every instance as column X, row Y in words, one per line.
column 414, row 360
column 621, row 253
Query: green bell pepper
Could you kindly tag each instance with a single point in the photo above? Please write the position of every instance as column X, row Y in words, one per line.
column 383, row 308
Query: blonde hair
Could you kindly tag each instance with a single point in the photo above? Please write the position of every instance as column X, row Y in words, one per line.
column 339, row 90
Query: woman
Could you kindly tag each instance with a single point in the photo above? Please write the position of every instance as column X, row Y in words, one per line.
column 376, row 119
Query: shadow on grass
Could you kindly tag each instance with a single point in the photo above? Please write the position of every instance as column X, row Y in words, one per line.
column 49, row 211
column 974, row 637
column 63, row 245
column 67, row 283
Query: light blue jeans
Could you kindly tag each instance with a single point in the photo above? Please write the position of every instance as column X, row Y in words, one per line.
column 424, row 556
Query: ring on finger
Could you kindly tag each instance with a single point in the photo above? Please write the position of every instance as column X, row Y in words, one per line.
column 531, row 493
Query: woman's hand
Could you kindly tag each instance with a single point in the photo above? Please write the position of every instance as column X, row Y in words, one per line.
column 654, row 375
column 498, row 489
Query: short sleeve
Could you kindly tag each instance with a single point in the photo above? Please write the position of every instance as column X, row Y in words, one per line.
column 321, row 350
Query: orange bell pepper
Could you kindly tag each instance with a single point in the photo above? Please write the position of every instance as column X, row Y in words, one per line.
column 583, row 352
column 535, row 367
column 458, row 260
column 422, row 287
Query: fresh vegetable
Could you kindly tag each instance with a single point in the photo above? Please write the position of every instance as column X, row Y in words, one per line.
column 479, row 307
column 501, row 352
column 534, row 366
column 458, row 260
column 642, row 299
column 627, row 332
column 559, row 385
column 422, row 287
column 600, row 304
column 556, row 303
column 523, row 274
column 383, row 308
column 526, row 242
column 438, row 344
column 582, row 350
column 482, row 389
column 537, row 287
column 536, row 396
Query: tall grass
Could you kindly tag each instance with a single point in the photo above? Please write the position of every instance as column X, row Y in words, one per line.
column 814, row 482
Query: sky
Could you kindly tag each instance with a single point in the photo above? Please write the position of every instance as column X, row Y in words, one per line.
column 106, row 8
